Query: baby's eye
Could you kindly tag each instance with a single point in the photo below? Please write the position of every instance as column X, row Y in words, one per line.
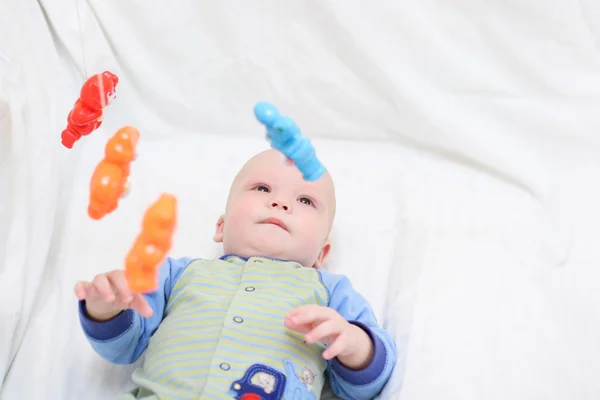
column 305, row 200
column 262, row 188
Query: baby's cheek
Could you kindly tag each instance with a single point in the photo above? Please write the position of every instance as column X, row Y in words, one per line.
column 240, row 214
column 320, row 231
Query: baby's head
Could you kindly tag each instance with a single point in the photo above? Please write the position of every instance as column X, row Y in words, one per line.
column 273, row 212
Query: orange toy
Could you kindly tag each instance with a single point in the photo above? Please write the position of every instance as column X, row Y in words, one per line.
column 152, row 245
column 86, row 116
column 109, row 180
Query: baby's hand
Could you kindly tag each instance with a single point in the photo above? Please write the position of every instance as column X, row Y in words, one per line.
column 349, row 343
column 108, row 294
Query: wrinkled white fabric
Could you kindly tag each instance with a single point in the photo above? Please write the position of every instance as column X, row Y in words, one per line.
column 463, row 140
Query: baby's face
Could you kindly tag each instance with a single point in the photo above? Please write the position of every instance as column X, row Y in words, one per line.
column 272, row 211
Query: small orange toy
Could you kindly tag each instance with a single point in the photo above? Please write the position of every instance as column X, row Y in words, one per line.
column 86, row 116
column 152, row 245
column 109, row 180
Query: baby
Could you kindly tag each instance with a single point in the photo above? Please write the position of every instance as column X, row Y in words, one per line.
column 264, row 321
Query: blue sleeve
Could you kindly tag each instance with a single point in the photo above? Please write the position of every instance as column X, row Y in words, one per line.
column 122, row 339
column 369, row 382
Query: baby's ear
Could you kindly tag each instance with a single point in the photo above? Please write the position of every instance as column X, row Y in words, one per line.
column 219, row 229
column 321, row 259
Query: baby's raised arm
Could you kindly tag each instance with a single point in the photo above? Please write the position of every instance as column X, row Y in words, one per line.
column 108, row 294
column 118, row 323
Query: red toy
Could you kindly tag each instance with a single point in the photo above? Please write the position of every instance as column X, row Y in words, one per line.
column 152, row 245
column 86, row 116
column 109, row 180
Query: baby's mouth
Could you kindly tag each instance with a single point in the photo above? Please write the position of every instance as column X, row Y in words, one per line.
column 277, row 222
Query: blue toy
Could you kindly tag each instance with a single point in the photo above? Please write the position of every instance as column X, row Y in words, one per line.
column 284, row 135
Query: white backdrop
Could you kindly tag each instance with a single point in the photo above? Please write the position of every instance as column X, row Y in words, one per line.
column 466, row 134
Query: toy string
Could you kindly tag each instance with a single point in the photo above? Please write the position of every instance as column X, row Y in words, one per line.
column 81, row 39
column 100, row 82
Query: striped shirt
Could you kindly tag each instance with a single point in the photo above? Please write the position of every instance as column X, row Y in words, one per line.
column 217, row 332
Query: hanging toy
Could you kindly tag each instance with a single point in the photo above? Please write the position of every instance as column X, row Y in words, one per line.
column 152, row 245
column 109, row 180
column 86, row 116
column 284, row 135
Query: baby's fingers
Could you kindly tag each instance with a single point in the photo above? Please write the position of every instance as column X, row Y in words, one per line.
column 300, row 328
column 323, row 331
column 309, row 314
column 140, row 305
column 339, row 345
column 118, row 281
column 87, row 291
column 104, row 288
column 81, row 289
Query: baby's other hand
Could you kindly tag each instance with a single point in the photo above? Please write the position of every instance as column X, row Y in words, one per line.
column 326, row 325
column 108, row 294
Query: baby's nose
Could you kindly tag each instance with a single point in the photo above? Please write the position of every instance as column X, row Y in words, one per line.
column 279, row 205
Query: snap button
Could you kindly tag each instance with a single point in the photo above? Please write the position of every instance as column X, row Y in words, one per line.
column 238, row 320
column 250, row 289
column 225, row 366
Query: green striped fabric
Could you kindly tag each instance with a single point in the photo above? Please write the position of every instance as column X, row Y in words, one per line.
column 222, row 317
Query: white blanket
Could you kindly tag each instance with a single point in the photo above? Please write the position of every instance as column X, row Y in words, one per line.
column 462, row 137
